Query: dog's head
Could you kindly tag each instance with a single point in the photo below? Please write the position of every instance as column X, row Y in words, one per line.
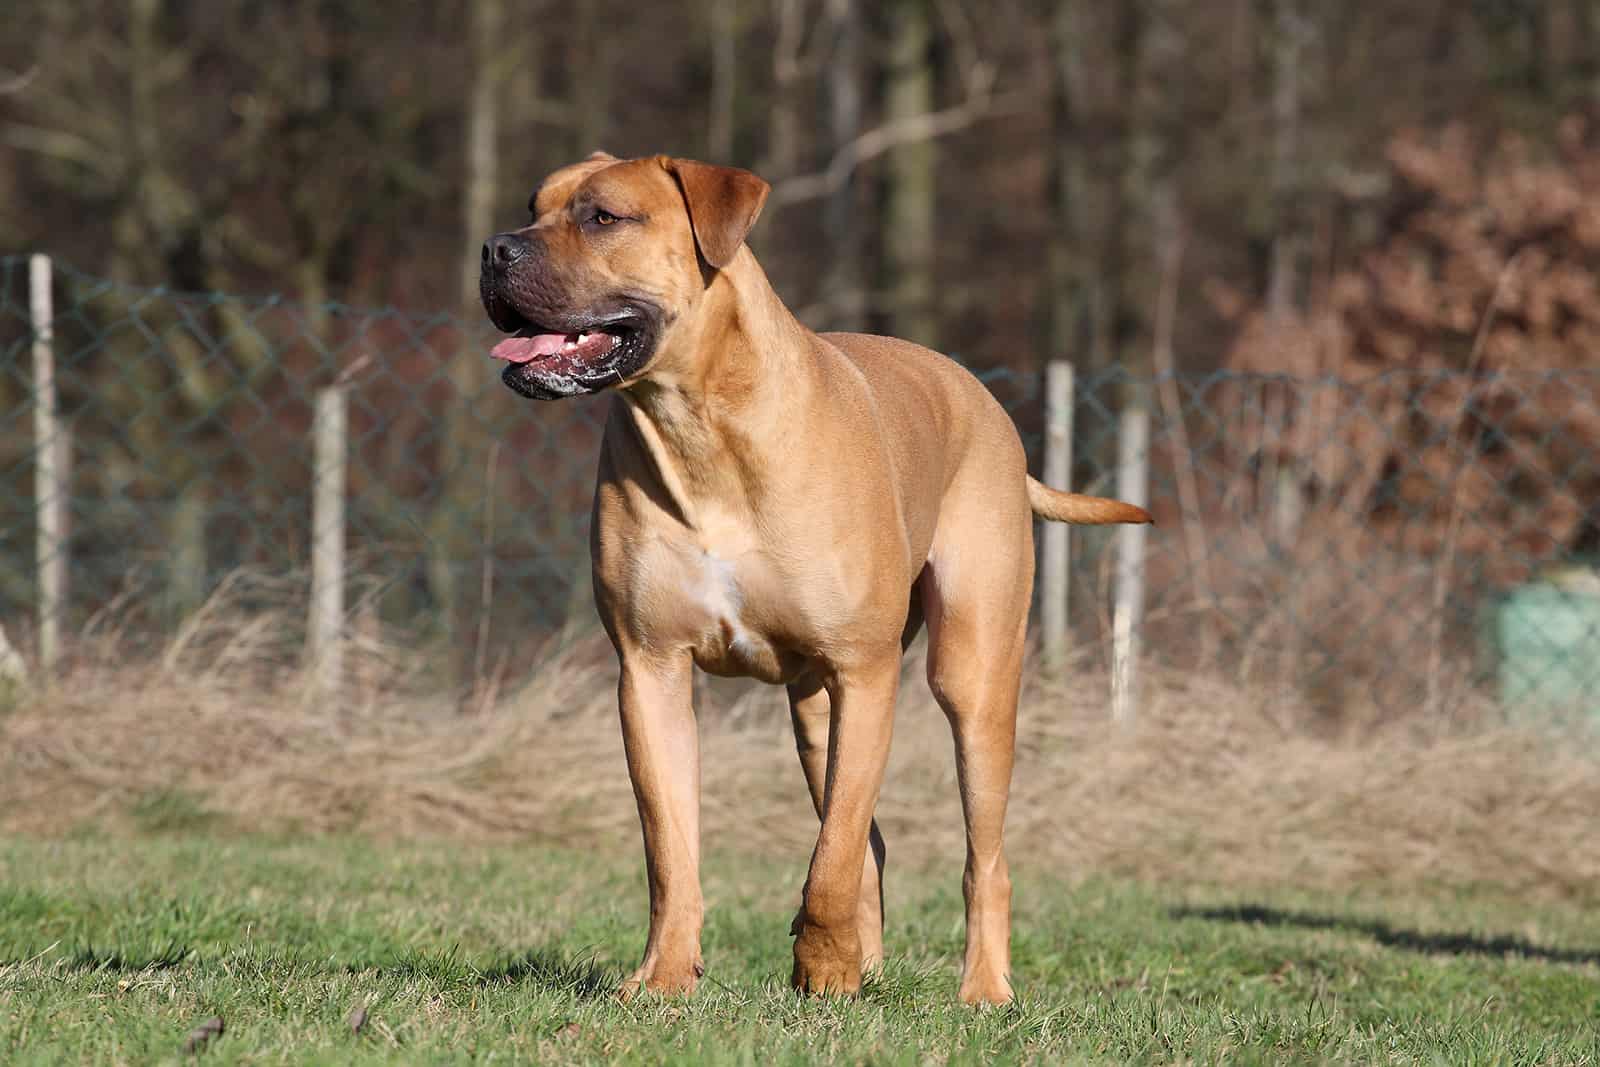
column 617, row 252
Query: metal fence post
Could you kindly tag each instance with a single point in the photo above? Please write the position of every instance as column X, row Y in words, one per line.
column 50, row 490
column 1133, row 484
column 1054, row 573
column 327, row 538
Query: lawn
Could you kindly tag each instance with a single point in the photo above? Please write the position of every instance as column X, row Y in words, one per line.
column 115, row 947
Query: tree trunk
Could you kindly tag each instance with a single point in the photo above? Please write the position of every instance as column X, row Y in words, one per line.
column 724, row 73
column 588, row 78
column 908, row 229
column 1067, row 310
column 1090, row 164
column 843, row 289
column 132, row 243
column 1157, row 133
column 135, row 242
column 1290, row 32
column 1288, row 36
column 482, row 153
column 783, row 125
column 451, row 546
column 1117, row 163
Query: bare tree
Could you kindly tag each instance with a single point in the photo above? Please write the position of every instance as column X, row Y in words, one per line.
column 450, row 541
column 1291, row 33
column 1116, row 163
column 843, row 287
column 485, row 60
column 1066, row 287
column 1289, row 30
column 783, row 121
column 910, row 216
column 588, row 77
column 1091, row 166
column 724, row 79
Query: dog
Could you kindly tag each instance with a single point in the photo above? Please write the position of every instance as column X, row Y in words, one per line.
column 783, row 505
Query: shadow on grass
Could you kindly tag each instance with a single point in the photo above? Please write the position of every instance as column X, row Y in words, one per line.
column 1392, row 936
column 548, row 969
column 89, row 958
column 580, row 976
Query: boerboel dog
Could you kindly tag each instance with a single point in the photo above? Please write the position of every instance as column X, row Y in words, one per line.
column 783, row 505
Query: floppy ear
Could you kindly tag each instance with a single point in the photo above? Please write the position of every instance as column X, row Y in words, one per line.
column 724, row 202
column 601, row 156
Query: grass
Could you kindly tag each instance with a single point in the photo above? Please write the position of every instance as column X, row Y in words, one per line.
column 114, row 947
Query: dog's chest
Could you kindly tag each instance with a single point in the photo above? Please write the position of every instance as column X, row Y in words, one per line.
column 702, row 596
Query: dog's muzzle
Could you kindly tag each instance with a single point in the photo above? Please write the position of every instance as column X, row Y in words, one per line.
column 556, row 352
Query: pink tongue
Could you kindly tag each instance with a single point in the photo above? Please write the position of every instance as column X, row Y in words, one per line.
column 528, row 349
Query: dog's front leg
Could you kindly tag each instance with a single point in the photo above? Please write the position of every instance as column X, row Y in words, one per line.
column 827, row 945
column 658, row 732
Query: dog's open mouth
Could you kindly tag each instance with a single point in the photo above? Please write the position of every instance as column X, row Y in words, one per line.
column 533, row 345
column 583, row 354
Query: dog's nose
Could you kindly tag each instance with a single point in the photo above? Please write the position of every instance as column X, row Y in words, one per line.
column 503, row 249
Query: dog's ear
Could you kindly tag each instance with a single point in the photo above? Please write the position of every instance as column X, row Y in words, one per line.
column 724, row 202
column 600, row 156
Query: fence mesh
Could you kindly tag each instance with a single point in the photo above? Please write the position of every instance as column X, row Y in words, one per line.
column 1411, row 539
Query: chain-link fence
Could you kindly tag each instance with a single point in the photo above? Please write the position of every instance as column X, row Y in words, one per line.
column 1414, row 539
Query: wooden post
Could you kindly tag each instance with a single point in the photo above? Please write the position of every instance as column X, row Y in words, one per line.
column 1057, row 560
column 327, row 539
column 1133, row 485
column 49, row 485
column 187, row 540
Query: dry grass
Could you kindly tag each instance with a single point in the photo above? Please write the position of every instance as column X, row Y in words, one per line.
column 1217, row 783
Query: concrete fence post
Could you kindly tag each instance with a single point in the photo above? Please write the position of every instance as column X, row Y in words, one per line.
column 1055, row 571
column 1133, row 485
column 51, row 460
column 328, row 538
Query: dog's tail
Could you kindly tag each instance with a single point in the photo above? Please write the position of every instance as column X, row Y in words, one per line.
column 1053, row 504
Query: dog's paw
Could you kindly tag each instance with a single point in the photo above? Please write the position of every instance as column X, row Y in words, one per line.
column 825, row 964
column 655, row 977
column 985, row 989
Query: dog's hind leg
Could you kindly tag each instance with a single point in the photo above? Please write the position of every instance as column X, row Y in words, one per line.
column 976, row 600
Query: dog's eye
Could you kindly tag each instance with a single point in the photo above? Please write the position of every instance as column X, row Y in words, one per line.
column 604, row 218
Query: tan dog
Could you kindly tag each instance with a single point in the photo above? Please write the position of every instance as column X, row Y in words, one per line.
column 785, row 506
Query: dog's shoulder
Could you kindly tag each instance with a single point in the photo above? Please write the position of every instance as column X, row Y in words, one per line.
column 892, row 360
column 873, row 351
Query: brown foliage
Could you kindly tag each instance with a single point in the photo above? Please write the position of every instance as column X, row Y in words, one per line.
column 1469, row 339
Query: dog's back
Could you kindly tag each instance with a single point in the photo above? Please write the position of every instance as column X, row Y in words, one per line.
column 934, row 407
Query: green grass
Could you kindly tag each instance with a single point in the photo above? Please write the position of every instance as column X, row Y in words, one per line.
column 113, row 948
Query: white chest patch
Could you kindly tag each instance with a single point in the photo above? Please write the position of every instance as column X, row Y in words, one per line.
column 717, row 592
column 705, row 604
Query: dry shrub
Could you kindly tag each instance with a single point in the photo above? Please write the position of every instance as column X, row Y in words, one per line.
column 1414, row 443
column 1217, row 783
column 1462, row 404
column 1362, row 632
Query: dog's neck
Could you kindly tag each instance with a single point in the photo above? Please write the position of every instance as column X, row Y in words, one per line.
column 690, row 415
